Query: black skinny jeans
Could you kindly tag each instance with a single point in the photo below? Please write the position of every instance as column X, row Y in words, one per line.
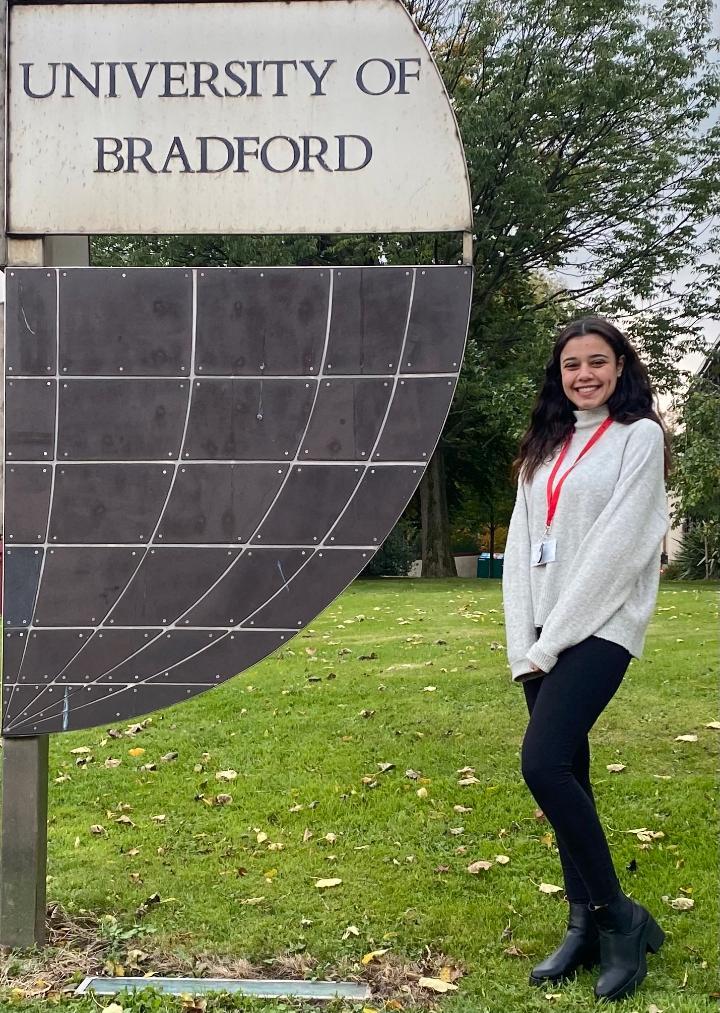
column 563, row 706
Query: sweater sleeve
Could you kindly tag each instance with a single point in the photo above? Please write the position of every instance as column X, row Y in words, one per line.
column 619, row 545
column 517, row 600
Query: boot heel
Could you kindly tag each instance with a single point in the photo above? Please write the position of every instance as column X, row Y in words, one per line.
column 655, row 935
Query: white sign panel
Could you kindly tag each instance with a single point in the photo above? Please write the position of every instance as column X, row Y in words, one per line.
column 318, row 116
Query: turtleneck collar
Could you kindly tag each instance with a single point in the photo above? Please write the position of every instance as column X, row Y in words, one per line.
column 589, row 417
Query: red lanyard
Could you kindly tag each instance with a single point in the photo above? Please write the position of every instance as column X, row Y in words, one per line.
column 553, row 492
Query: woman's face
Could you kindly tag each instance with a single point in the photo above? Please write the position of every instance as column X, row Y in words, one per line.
column 589, row 370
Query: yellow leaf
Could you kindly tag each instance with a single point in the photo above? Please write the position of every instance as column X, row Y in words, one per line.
column 547, row 840
column 114, row 1008
column 437, row 985
column 502, row 859
column 325, row 884
column 80, row 751
column 549, row 888
column 373, row 955
column 136, row 751
column 422, row 793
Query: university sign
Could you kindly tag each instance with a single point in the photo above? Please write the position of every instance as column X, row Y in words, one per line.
column 198, row 460
column 314, row 115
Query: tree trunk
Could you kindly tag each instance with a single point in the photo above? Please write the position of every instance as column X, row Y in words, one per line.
column 437, row 557
column 491, row 572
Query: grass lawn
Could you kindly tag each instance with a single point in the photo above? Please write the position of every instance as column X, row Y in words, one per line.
column 341, row 757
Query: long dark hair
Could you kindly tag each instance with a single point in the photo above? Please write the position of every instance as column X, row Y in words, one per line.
column 552, row 418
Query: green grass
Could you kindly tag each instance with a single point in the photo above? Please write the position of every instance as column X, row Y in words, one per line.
column 298, row 742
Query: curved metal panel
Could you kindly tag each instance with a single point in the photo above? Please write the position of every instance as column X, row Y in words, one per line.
column 182, row 526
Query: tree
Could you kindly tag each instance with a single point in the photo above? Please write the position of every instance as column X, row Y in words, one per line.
column 583, row 128
column 695, row 480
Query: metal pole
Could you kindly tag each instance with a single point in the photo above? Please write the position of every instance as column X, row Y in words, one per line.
column 23, row 843
column 23, row 858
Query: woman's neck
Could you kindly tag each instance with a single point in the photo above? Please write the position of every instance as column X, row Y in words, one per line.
column 587, row 417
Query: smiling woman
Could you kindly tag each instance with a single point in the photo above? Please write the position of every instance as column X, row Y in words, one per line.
column 582, row 566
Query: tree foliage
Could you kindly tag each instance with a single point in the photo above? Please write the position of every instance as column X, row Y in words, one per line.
column 695, row 481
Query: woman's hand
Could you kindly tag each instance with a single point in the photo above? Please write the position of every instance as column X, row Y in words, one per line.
column 534, row 667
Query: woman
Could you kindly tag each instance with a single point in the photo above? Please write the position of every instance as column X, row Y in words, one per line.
column 580, row 580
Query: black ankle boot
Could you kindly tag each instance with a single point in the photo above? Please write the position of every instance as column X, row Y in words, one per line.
column 580, row 947
column 627, row 931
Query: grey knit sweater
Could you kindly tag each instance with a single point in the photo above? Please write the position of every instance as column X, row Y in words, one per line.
column 610, row 519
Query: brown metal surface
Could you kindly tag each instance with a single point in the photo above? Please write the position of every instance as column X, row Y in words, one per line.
column 192, row 479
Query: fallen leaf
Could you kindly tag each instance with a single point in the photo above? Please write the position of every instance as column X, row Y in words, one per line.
column 169, row 757
column 422, row 793
column 686, row 738
column 615, row 768
column 437, row 985
column 80, row 751
column 96, row 828
column 325, row 884
column 477, row 867
column 373, row 955
column 112, row 762
column 462, row 808
column 114, row 1008
column 514, row 951
column 682, row 903
column 385, row 767
column 226, row 775
column 465, row 782
column 252, row 900
column 715, row 725
column 351, row 930
column 549, row 888
column 547, row 840
column 456, row 831
column 223, row 799
column 158, row 819
column 502, row 859
column 136, row 751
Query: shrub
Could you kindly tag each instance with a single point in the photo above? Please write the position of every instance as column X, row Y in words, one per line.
column 396, row 555
column 699, row 554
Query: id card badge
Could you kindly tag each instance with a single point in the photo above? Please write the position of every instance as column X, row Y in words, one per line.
column 543, row 552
